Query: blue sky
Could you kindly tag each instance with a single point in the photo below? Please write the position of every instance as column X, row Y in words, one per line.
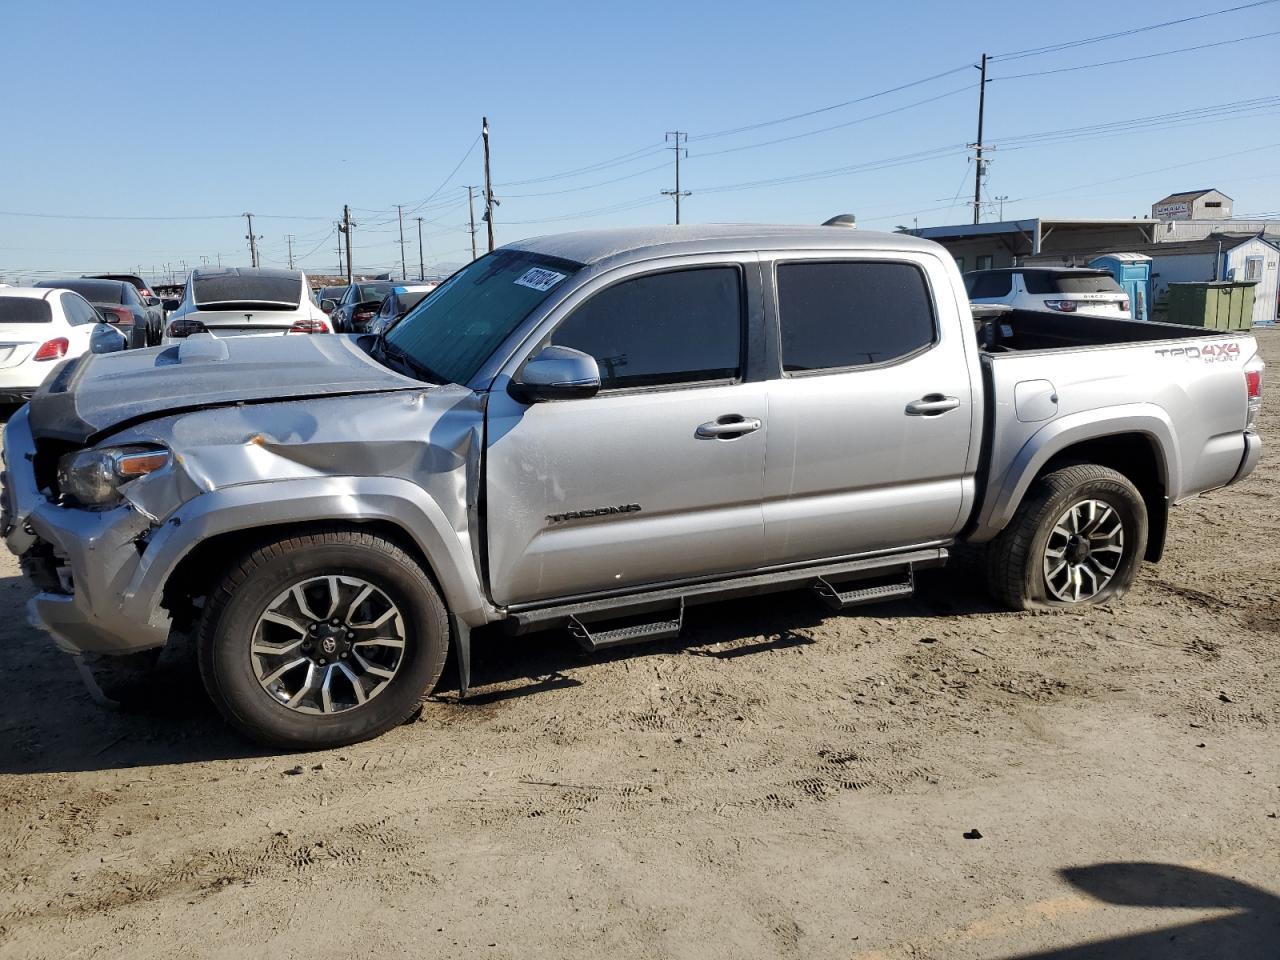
column 289, row 110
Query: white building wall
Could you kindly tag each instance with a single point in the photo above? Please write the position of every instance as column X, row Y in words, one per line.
column 1264, row 294
column 1174, row 230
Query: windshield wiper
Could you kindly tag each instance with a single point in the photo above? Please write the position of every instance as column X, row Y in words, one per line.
column 414, row 366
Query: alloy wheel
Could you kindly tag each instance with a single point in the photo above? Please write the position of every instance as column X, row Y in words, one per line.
column 328, row 644
column 1084, row 550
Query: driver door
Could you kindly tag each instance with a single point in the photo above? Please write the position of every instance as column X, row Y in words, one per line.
column 634, row 486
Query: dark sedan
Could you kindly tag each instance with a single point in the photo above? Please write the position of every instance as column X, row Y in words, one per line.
column 360, row 304
column 150, row 298
column 117, row 300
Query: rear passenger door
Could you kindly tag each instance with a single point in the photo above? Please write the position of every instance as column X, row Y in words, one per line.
column 871, row 420
column 640, row 484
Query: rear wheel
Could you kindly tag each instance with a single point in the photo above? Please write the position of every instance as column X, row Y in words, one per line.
column 1077, row 539
column 322, row 640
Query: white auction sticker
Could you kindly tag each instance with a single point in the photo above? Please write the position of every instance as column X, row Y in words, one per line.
column 539, row 279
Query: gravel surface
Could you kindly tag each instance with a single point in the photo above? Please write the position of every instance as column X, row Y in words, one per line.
column 934, row 778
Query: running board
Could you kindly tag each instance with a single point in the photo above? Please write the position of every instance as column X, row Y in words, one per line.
column 591, row 637
column 598, row 609
column 842, row 596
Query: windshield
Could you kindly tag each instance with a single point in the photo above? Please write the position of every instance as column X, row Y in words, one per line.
column 455, row 329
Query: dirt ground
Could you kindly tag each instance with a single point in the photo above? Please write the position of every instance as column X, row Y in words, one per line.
column 780, row 782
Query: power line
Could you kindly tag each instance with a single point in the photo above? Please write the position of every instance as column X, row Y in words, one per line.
column 588, row 186
column 835, row 106
column 837, row 126
column 590, row 168
column 1070, row 44
column 1145, row 56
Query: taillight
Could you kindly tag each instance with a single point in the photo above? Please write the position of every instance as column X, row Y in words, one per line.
column 184, row 328
column 124, row 317
column 309, row 326
column 1253, row 381
column 1062, row 306
column 1124, row 304
column 54, row 349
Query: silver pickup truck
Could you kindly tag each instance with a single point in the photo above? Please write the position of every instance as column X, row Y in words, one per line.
column 593, row 431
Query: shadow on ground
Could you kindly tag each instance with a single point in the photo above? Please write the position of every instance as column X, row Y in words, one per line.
column 50, row 723
column 1248, row 928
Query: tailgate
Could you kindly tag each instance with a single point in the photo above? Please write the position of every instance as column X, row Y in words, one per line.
column 245, row 323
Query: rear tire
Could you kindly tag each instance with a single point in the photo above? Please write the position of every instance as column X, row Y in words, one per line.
column 313, row 599
column 1077, row 540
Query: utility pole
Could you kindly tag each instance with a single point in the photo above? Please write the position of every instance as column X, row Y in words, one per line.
column 980, row 163
column 489, row 201
column 678, row 137
column 422, row 267
column 288, row 239
column 253, row 241
column 338, row 225
column 1001, row 201
column 472, row 208
column 400, row 214
column 345, row 230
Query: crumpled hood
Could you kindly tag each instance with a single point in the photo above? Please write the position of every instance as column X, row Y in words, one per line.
column 96, row 393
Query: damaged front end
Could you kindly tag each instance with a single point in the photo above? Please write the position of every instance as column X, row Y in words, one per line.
column 119, row 537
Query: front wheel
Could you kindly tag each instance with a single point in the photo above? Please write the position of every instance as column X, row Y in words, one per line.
column 1077, row 539
column 322, row 640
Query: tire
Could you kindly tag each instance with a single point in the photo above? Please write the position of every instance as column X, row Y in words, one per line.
column 1021, row 558
column 247, row 614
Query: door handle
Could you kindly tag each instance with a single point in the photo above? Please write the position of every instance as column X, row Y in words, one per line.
column 729, row 427
column 931, row 405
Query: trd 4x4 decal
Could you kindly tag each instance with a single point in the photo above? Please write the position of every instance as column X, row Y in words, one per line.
column 1213, row 353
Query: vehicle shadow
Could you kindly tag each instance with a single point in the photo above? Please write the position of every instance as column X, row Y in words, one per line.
column 1249, row 931
column 50, row 723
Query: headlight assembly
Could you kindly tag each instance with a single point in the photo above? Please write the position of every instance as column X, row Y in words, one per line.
column 93, row 477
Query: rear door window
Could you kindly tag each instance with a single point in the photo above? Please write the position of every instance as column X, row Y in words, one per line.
column 849, row 314
column 77, row 310
column 663, row 329
column 24, row 310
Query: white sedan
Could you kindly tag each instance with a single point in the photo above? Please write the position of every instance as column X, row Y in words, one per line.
column 39, row 327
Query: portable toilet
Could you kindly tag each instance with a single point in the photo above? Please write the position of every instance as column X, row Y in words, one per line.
column 1133, row 272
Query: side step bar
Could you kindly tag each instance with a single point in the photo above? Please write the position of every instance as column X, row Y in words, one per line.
column 843, row 596
column 636, row 632
column 660, row 612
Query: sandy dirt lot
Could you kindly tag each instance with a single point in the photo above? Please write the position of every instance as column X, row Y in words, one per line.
column 780, row 782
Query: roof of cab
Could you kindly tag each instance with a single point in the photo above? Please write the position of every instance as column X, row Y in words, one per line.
column 641, row 243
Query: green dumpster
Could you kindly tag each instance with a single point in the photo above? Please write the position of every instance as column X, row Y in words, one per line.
column 1220, row 305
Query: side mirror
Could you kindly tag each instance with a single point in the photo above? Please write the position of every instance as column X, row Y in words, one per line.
column 171, row 304
column 328, row 306
column 106, row 339
column 152, row 301
column 557, row 373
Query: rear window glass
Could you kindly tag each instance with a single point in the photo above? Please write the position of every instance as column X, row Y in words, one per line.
column 95, row 291
column 1045, row 282
column 24, row 310
column 981, row 285
column 374, row 291
column 253, row 288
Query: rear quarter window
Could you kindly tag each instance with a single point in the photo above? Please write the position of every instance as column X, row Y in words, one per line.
column 980, row 285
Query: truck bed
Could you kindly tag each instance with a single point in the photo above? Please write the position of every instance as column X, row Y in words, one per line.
column 1023, row 330
column 1169, row 395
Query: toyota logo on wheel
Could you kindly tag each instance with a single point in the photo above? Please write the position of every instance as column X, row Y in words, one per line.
column 328, row 645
